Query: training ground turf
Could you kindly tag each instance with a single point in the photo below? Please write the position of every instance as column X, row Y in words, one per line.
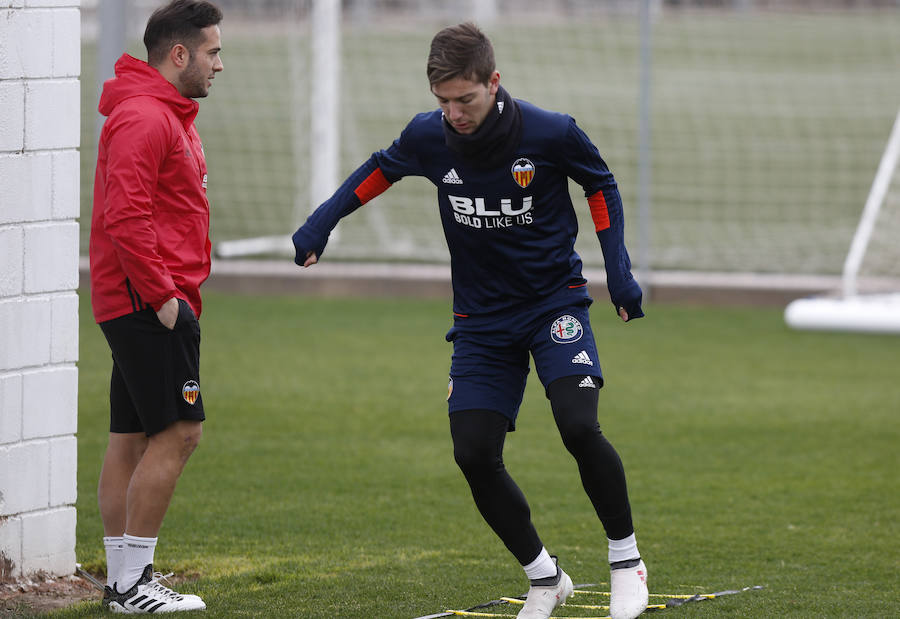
column 324, row 485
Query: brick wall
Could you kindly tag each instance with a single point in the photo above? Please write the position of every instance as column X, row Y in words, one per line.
column 40, row 61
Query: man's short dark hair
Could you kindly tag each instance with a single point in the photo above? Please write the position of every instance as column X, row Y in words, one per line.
column 460, row 51
column 180, row 21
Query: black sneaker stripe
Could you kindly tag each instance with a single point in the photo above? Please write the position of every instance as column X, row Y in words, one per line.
column 137, row 600
column 155, row 608
column 149, row 602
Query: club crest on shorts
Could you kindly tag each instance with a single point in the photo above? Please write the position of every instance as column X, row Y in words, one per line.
column 190, row 391
column 566, row 329
column 523, row 172
column 449, row 388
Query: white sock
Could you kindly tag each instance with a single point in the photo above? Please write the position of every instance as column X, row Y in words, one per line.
column 138, row 555
column 115, row 549
column 542, row 567
column 623, row 549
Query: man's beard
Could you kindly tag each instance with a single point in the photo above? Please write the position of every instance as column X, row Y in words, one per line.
column 193, row 81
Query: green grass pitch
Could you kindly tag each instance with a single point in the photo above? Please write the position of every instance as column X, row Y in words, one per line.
column 324, row 485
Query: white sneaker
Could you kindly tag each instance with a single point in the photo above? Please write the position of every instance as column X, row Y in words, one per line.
column 542, row 600
column 148, row 595
column 628, row 594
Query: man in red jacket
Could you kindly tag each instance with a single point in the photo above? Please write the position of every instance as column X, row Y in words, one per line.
column 150, row 252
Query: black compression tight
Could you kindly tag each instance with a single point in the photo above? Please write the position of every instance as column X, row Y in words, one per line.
column 602, row 473
column 478, row 437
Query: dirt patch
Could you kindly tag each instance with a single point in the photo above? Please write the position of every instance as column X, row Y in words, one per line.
column 40, row 595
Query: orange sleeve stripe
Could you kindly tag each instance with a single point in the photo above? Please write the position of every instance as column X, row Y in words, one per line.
column 599, row 212
column 374, row 185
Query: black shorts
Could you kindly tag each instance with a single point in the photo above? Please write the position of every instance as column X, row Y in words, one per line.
column 156, row 371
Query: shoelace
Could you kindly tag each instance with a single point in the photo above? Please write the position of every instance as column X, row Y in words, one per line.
column 162, row 589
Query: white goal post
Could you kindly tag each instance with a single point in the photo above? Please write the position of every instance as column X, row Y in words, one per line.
column 852, row 311
column 324, row 125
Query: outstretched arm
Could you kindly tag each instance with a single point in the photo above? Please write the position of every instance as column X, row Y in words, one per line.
column 364, row 184
column 369, row 180
column 587, row 168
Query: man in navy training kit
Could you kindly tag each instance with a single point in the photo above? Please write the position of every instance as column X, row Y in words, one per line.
column 501, row 168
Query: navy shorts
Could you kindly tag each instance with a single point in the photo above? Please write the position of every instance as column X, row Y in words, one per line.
column 490, row 358
column 156, row 371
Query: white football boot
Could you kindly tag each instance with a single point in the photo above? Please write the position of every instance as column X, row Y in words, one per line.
column 628, row 594
column 543, row 599
column 148, row 595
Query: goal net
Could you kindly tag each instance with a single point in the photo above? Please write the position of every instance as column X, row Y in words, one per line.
column 766, row 120
column 870, row 292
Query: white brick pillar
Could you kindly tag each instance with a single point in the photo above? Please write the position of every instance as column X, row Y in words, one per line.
column 40, row 61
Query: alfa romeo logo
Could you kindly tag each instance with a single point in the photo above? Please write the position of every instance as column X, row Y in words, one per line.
column 566, row 329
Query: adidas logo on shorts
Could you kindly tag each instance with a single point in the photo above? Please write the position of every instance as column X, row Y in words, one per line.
column 582, row 357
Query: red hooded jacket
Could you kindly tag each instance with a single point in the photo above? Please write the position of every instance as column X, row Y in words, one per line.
column 150, row 225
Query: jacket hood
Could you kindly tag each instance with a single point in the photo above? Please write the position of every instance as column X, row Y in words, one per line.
column 136, row 78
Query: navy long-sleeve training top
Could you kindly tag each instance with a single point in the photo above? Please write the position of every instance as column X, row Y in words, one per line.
column 510, row 229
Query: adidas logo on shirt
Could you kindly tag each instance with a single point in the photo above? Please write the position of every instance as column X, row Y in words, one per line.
column 588, row 382
column 452, row 177
column 582, row 357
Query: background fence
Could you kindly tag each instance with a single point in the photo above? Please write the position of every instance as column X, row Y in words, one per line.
column 767, row 120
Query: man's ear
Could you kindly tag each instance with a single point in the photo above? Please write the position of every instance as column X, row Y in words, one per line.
column 494, row 82
column 179, row 55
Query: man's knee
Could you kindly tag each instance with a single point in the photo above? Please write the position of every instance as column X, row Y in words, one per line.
column 181, row 437
column 478, row 441
column 575, row 411
column 126, row 448
column 474, row 458
column 580, row 438
column 191, row 431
